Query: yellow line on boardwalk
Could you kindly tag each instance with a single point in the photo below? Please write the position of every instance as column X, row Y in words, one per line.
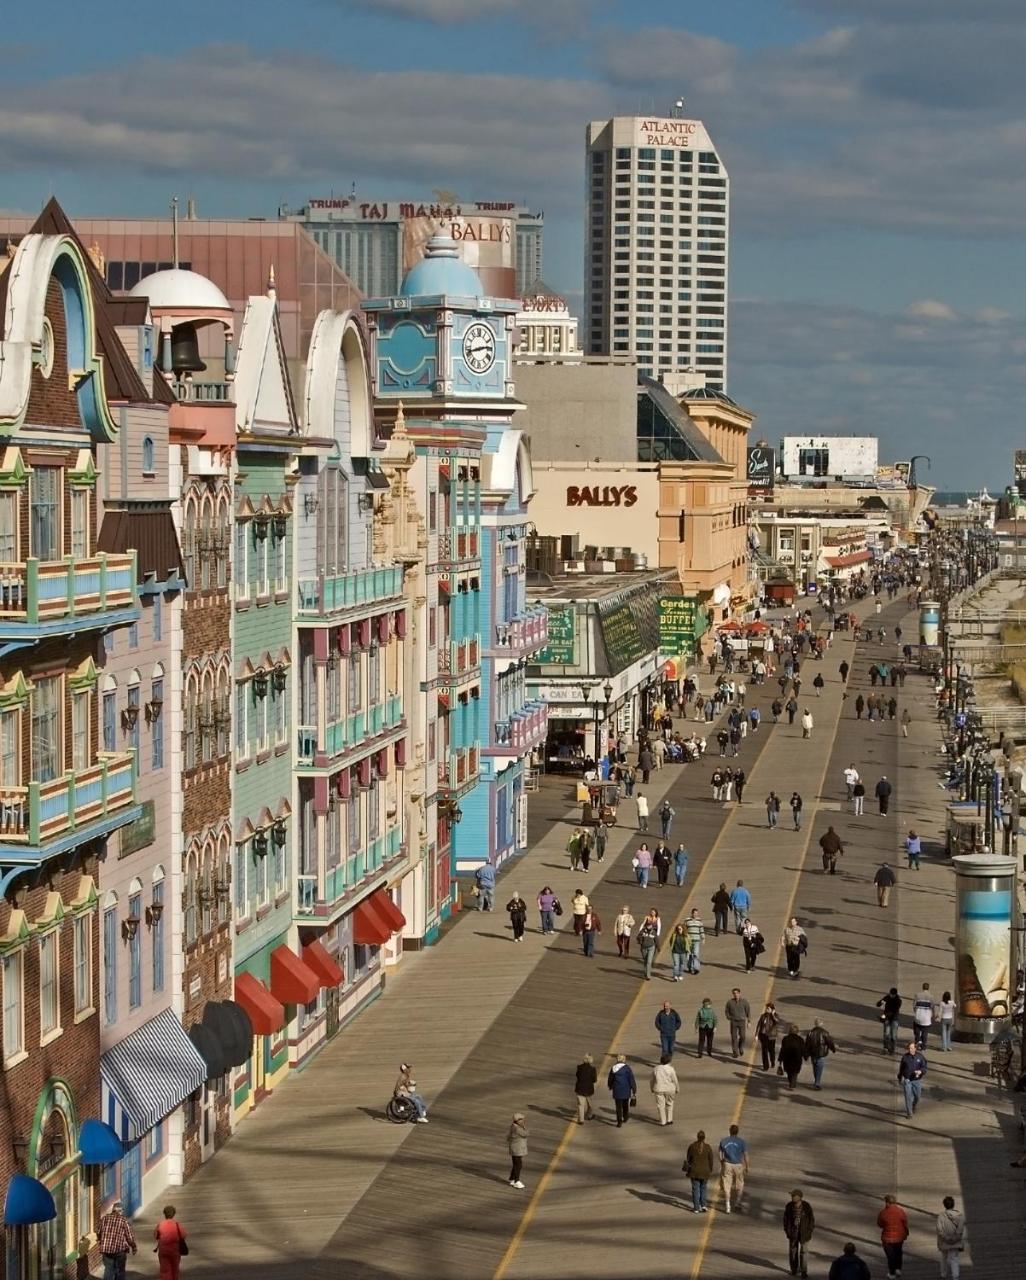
column 543, row 1182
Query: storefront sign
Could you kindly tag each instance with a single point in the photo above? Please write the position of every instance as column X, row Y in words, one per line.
column 760, row 467
column 140, row 833
column 680, row 624
column 544, row 302
column 561, row 649
column 607, row 495
column 622, row 636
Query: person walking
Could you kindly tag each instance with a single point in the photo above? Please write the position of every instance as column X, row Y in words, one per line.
column 906, row 720
column 892, row 705
column 696, row 937
column 601, row 840
column 851, row 776
column 115, row 1239
column 698, row 1165
column 950, row 1239
column 796, row 810
column 579, row 905
column 885, row 881
column 642, row 863
column 739, row 1014
column 832, row 849
column 883, row 791
column 641, row 800
column 807, row 724
column 586, row 847
column 547, row 904
column 791, row 707
column 849, row 1266
column 733, row 1153
column 893, row 1223
column 661, row 860
column 799, row 1224
column 705, row 1025
column 484, row 882
column 573, row 848
column 740, row 779
column 753, row 944
column 947, row 1010
column 776, row 710
column 913, row 850
column 585, row 1081
column 741, row 902
column 591, row 927
column 680, row 863
column 516, row 1140
column 679, row 948
column 791, row 1055
column 646, row 763
column 795, row 943
column 666, row 815
column 667, row 1023
column 766, row 1031
column 624, row 1088
column 517, row 909
column 169, row 1235
column 648, row 940
column 665, row 1086
column 772, row 809
column 819, row 1045
column 818, row 683
column 890, row 1011
column 721, row 909
column 860, row 706
column 922, row 1015
column 858, row 798
column 911, row 1071
column 843, row 670
column 622, row 927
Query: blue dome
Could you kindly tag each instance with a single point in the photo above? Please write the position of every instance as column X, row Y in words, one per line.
column 441, row 271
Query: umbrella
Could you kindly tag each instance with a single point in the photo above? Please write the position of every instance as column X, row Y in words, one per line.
column 758, row 628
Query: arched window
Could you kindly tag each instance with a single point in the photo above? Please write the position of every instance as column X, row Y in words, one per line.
column 191, row 715
column 157, row 928
column 148, row 456
column 206, row 722
column 206, row 540
column 190, row 899
column 109, row 713
column 189, row 512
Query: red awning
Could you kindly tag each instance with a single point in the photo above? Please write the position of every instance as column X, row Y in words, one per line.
column 387, row 908
column 370, row 928
column 292, row 982
column 265, row 1012
column 855, row 557
column 320, row 961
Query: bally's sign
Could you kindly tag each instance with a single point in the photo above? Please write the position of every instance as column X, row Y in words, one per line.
column 607, row 495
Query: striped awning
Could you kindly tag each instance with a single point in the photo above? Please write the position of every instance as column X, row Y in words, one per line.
column 147, row 1075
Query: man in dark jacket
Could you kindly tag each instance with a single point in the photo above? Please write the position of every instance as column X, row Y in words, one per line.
column 799, row 1224
column 819, row 1045
column 830, row 843
column 645, row 762
column 883, row 795
column 885, row 881
column 623, row 1087
column 667, row 1023
column 911, row 1070
column 584, row 1088
column 849, row 1266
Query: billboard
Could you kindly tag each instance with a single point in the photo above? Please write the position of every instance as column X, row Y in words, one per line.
column 1020, row 472
column 760, row 467
column 487, row 242
column 680, row 624
column 561, row 649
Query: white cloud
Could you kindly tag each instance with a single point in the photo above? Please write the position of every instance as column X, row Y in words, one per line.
column 930, row 309
column 558, row 14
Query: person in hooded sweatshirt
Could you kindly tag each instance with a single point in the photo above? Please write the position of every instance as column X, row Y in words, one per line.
column 950, row 1239
column 623, row 1087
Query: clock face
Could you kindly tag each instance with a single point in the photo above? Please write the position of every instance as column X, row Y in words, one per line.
column 479, row 347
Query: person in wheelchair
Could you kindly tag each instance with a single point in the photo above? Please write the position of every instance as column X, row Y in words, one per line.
column 406, row 1087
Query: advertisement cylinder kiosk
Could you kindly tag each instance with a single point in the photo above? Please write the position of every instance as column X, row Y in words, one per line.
column 929, row 623
column 985, row 959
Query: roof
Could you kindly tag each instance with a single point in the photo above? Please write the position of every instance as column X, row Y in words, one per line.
column 151, row 534
column 552, row 588
column 178, row 287
column 675, row 419
column 708, row 393
column 442, row 272
column 854, row 557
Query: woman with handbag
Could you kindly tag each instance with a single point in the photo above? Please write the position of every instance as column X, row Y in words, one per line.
column 795, row 946
column 171, row 1244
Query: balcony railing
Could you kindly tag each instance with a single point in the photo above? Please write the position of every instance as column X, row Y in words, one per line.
column 459, row 772
column 35, row 592
column 334, row 593
column 459, row 657
column 524, row 729
column 189, row 392
column 42, row 811
column 352, row 731
column 317, row 896
column 456, row 545
column 526, row 633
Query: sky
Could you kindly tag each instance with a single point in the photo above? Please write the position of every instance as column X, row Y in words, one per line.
column 876, row 148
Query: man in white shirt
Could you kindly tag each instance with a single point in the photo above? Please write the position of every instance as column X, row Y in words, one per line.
column 922, row 1015
column 851, row 776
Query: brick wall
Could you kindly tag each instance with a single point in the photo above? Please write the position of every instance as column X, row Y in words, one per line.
column 50, row 401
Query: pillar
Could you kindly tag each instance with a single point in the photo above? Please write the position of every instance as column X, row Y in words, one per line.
column 985, row 947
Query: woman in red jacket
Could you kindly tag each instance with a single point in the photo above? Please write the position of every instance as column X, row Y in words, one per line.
column 893, row 1223
column 170, row 1237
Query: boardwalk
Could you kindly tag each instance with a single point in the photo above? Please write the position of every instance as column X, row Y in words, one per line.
column 318, row 1184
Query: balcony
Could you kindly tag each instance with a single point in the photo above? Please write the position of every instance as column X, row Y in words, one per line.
column 457, row 546
column 323, row 897
column 321, row 750
column 525, row 634
column 330, row 594
column 84, row 804
column 40, row 598
column 521, row 731
column 459, row 773
column 460, row 660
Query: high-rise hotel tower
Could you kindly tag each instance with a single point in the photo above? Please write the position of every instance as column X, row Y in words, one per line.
column 655, row 280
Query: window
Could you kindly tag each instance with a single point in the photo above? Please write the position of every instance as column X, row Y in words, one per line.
column 81, row 704
column 157, row 618
column 80, row 523
column 190, row 902
column 10, row 771
column 260, row 712
column 373, row 676
column 133, row 636
column 49, row 1001
column 8, row 526
column 14, row 1011
column 813, row 461
column 110, row 963
column 83, row 947
column 46, row 737
column 432, row 510
column 260, row 875
column 242, row 539
column 281, row 716
column 262, row 551
column 135, row 953
column 157, row 724
column 281, row 576
column 241, row 895
column 147, row 456
column 332, row 516
column 354, row 690
column 133, row 722
column 353, row 823
column 373, row 815
column 155, row 1141
column 44, row 513
column 242, row 719
column 280, row 869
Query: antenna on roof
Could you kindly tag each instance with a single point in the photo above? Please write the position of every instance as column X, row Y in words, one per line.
column 174, row 231
column 678, row 108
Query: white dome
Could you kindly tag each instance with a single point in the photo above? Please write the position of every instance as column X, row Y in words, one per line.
column 179, row 288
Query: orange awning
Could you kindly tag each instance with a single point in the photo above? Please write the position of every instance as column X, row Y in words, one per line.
column 387, row 908
column 370, row 928
column 292, row 982
column 321, row 962
column 265, row 1012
